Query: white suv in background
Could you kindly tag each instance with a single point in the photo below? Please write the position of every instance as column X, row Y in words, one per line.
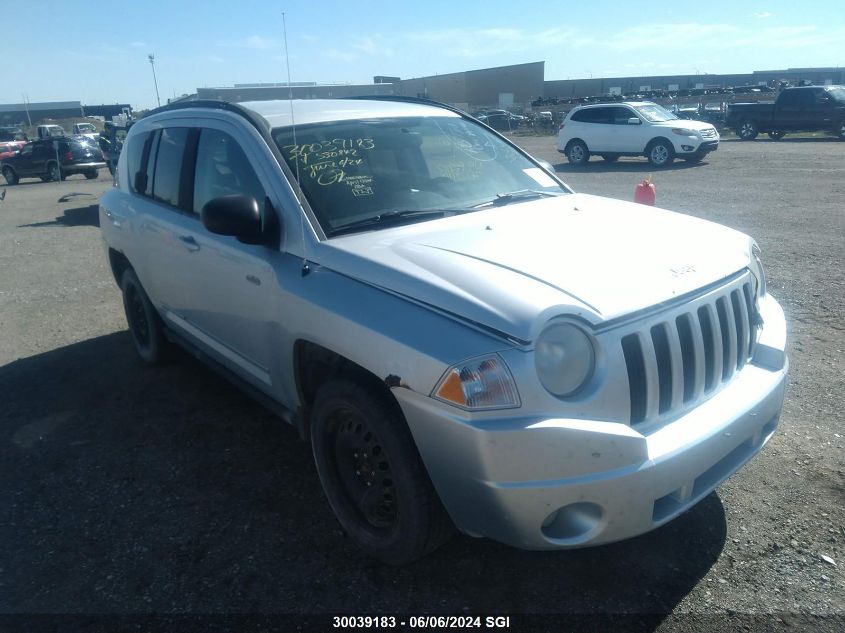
column 634, row 129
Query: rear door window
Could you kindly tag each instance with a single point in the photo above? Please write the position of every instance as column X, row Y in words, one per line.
column 134, row 155
column 168, row 165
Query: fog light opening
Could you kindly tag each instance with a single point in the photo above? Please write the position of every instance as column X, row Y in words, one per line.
column 686, row 148
column 574, row 523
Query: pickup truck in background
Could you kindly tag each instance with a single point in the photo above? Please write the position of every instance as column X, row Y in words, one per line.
column 806, row 109
column 45, row 132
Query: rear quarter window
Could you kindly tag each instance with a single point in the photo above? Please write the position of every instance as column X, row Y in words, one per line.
column 134, row 156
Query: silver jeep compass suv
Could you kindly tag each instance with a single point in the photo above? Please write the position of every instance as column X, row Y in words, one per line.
column 464, row 340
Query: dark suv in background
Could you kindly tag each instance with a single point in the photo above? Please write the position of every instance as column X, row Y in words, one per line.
column 54, row 159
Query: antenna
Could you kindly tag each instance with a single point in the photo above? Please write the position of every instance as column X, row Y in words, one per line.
column 305, row 267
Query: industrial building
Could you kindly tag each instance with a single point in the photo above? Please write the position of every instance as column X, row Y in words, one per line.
column 23, row 113
column 574, row 88
column 270, row 91
column 501, row 87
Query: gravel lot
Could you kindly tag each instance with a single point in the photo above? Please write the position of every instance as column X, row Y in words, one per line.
column 131, row 490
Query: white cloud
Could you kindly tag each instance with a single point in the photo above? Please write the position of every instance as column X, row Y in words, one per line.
column 340, row 56
column 763, row 15
column 138, row 44
column 260, row 43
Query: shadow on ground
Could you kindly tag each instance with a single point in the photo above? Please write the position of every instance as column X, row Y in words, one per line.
column 133, row 489
column 77, row 216
column 624, row 165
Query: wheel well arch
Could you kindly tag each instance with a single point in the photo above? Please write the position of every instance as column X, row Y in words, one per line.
column 315, row 365
column 119, row 263
column 657, row 139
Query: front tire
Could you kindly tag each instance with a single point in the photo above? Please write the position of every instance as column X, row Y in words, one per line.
column 54, row 173
column 577, row 153
column 10, row 176
column 661, row 153
column 747, row 130
column 840, row 133
column 145, row 324
column 91, row 174
column 372, row 473
column 776, row 135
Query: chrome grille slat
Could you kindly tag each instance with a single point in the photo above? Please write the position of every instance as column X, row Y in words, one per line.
column 717, row 344
column 742, row 351
column 652, row 396
column 677, row 358
column 698, row 355
column 730, row 324
column 677, row 365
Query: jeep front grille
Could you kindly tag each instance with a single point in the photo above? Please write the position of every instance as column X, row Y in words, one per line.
column 688, row 354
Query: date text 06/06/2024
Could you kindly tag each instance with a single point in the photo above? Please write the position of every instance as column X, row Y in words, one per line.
column 421, row 622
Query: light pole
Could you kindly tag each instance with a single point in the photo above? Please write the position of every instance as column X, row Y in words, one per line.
column 152, row 59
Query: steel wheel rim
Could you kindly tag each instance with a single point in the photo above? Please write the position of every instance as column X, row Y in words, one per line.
column 363, row 469
column 576, row 153
column 138, row 317
column 659, row 154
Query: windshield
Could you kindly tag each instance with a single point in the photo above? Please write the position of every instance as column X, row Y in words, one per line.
column 838, row 94
column 654, row 113
column 86, row 127
column 355, row 170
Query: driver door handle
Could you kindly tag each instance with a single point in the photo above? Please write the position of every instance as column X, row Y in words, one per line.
column 189, row 242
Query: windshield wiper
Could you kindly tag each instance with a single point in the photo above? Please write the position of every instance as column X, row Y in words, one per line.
column 518, row 196
column 389, row 217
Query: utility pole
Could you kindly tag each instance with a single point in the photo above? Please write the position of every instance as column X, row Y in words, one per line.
column 26, row 107
column 152, row 59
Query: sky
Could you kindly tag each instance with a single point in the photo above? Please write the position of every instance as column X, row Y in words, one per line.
column 97, row 52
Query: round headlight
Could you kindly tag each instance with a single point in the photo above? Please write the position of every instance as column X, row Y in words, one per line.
column 565, row 358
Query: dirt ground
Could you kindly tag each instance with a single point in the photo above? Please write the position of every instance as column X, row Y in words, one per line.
column 130, row 490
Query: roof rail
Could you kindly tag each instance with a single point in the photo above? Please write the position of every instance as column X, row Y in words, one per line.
column 258, row 122
column 404, row 99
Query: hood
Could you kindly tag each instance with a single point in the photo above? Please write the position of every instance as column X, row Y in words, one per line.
column 514, row 267
column 687, row 124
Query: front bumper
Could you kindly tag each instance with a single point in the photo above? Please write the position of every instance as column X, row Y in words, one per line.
column 80, row 168
column 696, row 148
column 608, row 481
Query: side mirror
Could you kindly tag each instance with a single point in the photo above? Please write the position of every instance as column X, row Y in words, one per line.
column 634, row 121
column 236, row 215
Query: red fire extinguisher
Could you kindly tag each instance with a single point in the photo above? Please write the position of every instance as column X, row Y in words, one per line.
column 644, row 192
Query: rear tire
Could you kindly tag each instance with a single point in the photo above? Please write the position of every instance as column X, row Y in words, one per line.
column 10, row 176
column 660, row 153
column 91, row 174
column 776, row 135
column 372, row 473
column 747, row 130
column 145, row 324
column 577, row 153
column 54, row 173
